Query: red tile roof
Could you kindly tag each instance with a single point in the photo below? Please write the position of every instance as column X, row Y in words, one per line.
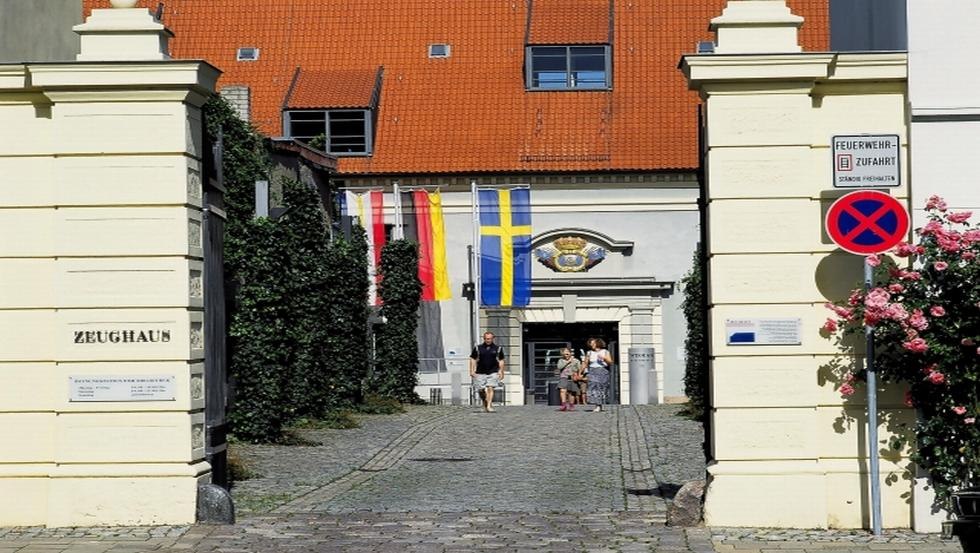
column 565, row 22
column 470, row 112
column 333, row 89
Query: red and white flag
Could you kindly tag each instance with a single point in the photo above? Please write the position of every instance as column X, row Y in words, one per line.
column 368, row 209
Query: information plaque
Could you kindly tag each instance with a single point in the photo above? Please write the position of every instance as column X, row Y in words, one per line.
column 763, row 332
column 122, row 388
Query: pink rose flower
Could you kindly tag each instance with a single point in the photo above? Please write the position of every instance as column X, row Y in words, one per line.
column 877, row 298
column 916, row 345
column 918, row 320
column 904, row 249
column 896, row 288
column 959, row 409
column 936, row 202
column 959, row 216
column 932, row 227
column 937, row 311
column 968, row 342
column 968, row 256
column 940, row 265
column 978, row 351
column 846, row 390
column 896, row 312
column 936, row 377
column 971, row 236
column 829, row 326
column 873, row 260
column 856, row 297
column 969, row 420
column 948, row 243
column 842, row 312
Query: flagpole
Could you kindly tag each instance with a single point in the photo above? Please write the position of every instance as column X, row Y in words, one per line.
column 476, row 260
column 399, row 231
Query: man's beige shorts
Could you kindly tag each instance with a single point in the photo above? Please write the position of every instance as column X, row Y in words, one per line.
column 481, row 381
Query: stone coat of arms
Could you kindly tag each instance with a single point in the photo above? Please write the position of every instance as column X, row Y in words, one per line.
column 570, row 254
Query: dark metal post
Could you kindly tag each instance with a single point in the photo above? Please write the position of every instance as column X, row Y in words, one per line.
column 472, row 295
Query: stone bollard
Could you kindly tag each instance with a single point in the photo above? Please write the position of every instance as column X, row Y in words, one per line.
column 687, row 506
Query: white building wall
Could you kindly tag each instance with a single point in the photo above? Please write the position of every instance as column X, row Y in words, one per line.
column 943, row 84
column 944, row 80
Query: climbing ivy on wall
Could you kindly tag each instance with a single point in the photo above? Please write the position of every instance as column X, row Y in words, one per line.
column 297, row 302
column 695, row 345
column 396, row 368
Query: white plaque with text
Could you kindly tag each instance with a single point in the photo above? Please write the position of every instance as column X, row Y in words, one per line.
column 122, row 388
column 763, row 332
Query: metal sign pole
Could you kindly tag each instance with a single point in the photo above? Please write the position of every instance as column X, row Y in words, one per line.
column 872, row 413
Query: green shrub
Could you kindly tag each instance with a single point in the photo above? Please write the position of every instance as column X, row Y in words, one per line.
column 379, row 405
column 397, row 360
column 345, row 320
column 256, row 333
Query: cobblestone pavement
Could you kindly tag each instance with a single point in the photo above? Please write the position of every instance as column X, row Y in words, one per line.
column 454, row 479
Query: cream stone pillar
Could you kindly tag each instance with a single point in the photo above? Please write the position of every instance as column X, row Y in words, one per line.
column 786, row 451
column 101, row 345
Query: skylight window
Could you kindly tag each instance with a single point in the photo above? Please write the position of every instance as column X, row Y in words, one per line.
column 248, row 53
column 439, row 50
column 568, row 68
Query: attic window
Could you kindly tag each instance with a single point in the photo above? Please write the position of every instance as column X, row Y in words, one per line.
column 248, row 53
column 438, row 50
column 568, row 67
column 341, row 132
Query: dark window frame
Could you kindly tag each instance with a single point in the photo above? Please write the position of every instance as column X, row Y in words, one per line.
column 328, row 116
column 532, row 78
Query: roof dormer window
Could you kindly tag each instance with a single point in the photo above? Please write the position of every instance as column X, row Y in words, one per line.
column 568, row 67
column 439, row 50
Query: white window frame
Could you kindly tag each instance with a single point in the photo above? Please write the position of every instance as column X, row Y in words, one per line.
column 240, row 57
column 447, row 53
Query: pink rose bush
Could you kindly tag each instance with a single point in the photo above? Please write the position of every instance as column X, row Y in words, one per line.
column 924, row 308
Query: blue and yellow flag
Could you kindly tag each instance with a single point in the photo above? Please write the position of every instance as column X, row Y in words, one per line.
column 505, row 247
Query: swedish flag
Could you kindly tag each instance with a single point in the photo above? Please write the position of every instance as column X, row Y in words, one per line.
column 505, row 247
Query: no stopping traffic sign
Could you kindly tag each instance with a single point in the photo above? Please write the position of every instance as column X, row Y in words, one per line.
column 867, row 222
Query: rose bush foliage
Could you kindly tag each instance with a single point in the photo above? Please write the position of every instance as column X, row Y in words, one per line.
column 926, row 324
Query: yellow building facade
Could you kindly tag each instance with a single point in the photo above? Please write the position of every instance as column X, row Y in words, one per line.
column 101, row 303
column 787, row 450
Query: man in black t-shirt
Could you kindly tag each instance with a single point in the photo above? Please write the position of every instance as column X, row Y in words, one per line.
column 487, row 369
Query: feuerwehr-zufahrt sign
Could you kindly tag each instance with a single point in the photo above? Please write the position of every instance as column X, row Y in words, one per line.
column 866, row 161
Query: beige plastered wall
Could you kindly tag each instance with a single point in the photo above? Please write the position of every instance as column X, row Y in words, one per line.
column 100, row 218
column 787, row 450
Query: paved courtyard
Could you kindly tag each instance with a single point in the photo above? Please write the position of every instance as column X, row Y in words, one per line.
column 447, row 479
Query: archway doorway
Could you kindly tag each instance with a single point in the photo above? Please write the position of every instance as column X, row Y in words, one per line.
column 542, row 349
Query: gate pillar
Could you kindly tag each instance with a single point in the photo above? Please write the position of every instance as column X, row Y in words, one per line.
column 783, row 441
column 101, row 309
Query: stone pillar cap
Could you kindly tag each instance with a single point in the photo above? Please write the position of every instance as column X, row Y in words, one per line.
column 123, row 34
column 756, row 12
column 756, row 26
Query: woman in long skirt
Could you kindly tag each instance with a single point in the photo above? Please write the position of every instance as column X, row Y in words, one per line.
column 599, row 361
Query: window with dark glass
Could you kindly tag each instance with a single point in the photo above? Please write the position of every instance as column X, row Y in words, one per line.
column 568, row 68
column 342, row 132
